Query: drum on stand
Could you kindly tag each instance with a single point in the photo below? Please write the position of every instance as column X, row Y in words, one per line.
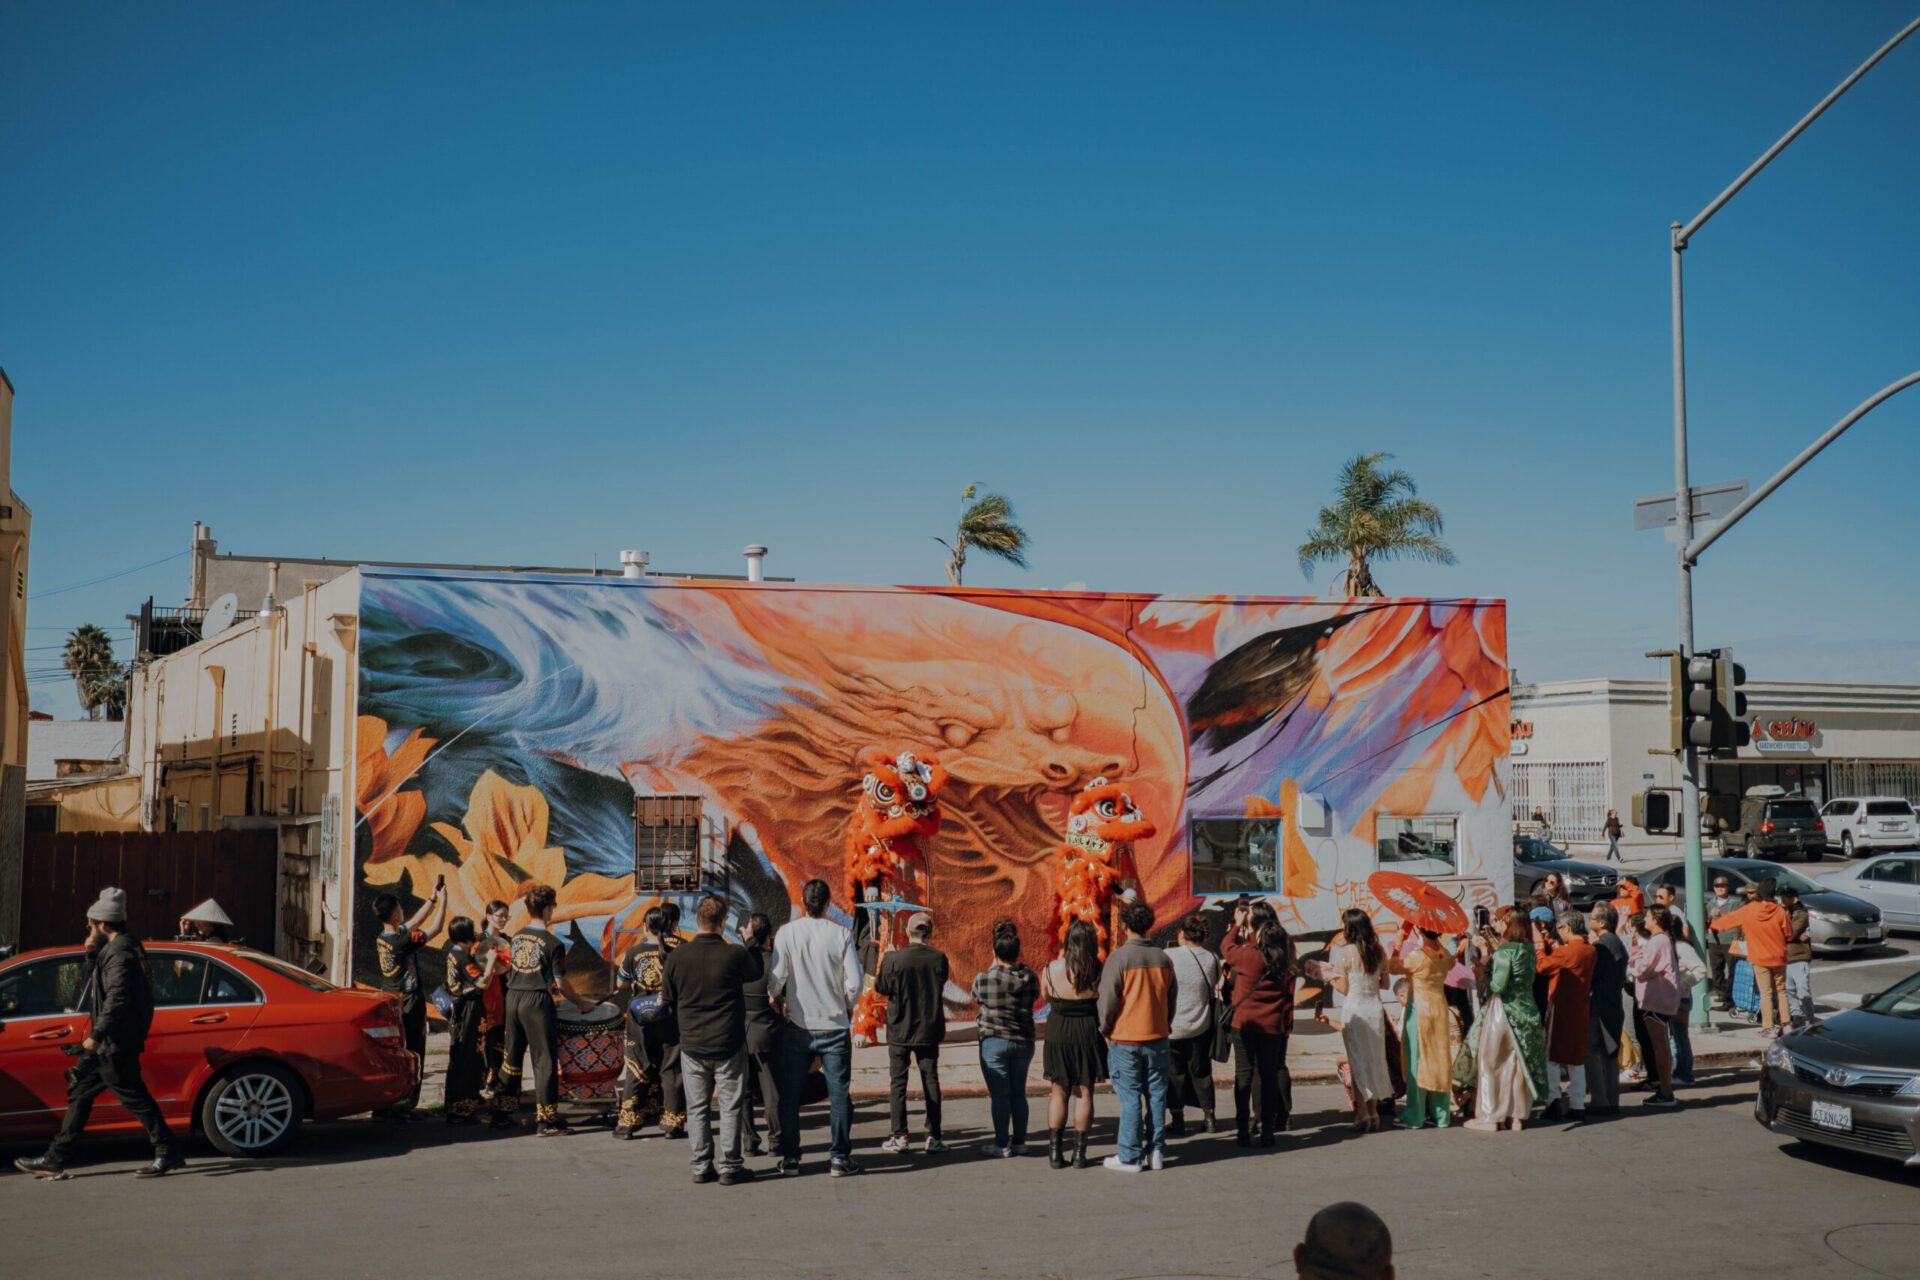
column 592, row 1052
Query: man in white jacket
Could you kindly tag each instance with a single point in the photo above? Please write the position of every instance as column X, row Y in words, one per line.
column 817, row 969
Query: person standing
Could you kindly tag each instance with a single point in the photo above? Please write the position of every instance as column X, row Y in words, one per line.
column 1137, row 996
column 469, row 972
column 116, row 992
column 1076, row 1055
column 1766, row 928
column 764, row 1025
column 1427, row 1037
column 539, row 965
column 912, row 979
column 1654, row 966
column 817, row 969
column 706, row 979
column 1683, row 938
column 1606, row 1012
column 1509, row 1049
column 493, row 1032
column 651, row 1089
column 1006, row 991
column 1542, row 826
column 1719, row 945
column 396, row 949
column 1357, row 971
column 1569, row 969
column 1799, row 954
column 1613, row 831
column 1196, row 973
column 1261, row 968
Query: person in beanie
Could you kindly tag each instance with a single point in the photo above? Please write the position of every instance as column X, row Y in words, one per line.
column 912, row 978
column 117, row 994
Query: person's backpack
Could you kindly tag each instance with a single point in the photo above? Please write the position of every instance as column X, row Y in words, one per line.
column 1687, row 962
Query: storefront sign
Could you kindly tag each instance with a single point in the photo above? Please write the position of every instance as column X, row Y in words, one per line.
column 1783, row 744
column 1784, row 730
column 1522, row 729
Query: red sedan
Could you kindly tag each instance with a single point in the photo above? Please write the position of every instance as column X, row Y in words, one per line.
column 243, row 1047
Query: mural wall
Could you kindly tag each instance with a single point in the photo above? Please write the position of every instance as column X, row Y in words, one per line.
column 1287, row 746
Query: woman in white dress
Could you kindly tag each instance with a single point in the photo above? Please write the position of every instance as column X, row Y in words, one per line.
column 1358, row 970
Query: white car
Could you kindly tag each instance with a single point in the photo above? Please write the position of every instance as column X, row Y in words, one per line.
column 1857, row 823
column 1890, row 881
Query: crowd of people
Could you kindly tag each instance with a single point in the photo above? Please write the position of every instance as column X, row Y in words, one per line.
column 1537, row 1005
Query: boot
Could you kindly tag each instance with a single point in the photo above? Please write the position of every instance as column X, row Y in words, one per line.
column 1213, row 1125
column 1080, row 1160
column 1056, row 1149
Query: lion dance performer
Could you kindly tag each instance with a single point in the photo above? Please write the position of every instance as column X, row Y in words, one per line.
column 1097, row 858
column 899, row 807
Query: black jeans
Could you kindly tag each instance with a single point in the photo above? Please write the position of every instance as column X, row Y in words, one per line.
column 93, row 1075
column 928, row 1056
column 763, row 1070
column 1261, row 1053
column 1720, row 971
column 531, row 1031
column 1190, row 1074
column 466, row 1058
column 413, row 1024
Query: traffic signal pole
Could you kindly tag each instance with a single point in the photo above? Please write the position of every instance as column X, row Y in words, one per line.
column 1687, row 551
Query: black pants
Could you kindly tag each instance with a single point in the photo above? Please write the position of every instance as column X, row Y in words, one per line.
column 1260, row 1054
column 413, row 1024
column 1190, row 1074
column 530, row 1030
column 1720, row 971
column 763, row 1073
column 466, row 1058
column 928, row 1055
column 94, row 1074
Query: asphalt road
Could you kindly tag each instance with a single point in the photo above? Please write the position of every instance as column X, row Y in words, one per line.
column 1705, row 1191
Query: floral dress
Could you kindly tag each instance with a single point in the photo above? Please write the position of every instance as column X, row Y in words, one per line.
column 1512, row 1048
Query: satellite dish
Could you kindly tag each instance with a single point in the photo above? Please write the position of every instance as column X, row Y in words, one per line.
column 219, row 616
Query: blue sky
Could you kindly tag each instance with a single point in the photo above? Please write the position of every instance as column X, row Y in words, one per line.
column 499, row 283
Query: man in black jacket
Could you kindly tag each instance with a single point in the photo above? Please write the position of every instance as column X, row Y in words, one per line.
column 705, row 983
column 117, row 992
column 1606, row 1011
column 912, row 979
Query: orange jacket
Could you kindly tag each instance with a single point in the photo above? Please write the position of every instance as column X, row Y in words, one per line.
column 1767, row 926
column 1632, row 901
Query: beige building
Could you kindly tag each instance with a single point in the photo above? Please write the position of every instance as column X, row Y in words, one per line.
column 16, row 523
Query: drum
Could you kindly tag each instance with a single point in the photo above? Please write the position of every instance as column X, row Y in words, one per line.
column 592, row 1052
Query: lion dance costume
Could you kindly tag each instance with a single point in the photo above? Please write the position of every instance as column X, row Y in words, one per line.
column 1097, row 857
column 899, row 807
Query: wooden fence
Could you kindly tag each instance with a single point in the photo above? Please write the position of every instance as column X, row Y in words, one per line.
column 165, row 874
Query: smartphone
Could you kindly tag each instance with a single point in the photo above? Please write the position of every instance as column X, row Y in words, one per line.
column 1482, row 917
column 439, row 884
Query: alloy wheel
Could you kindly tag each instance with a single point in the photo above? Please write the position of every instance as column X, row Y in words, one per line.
column 255, row 1111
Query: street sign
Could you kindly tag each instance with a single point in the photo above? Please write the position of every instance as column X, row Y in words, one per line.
column 1710, row 502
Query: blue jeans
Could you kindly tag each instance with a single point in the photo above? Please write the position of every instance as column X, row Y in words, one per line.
column 1004, row 1063
column 797, row 1048
column 1138, row 1069
column 1682, row 1040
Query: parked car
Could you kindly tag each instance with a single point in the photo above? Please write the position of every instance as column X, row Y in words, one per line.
column 1774, row 822
column 243, row 1047
column 1587, row 882
column 1851, row 1081
column 1836, row 921
column 1890, row 881
column 1870, row 822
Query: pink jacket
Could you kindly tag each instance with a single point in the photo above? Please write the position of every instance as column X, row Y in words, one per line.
column 1656, row 975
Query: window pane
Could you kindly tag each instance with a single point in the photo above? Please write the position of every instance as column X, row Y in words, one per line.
column 1236, row 855
column 177, row 978
column 224, row 986
column 1418, row 846
column 42, row 988
column 1890, row 809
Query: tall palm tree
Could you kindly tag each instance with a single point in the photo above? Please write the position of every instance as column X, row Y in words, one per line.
column 107, row 687
column 1375, row 517
column 986, row 523
column 89, row 654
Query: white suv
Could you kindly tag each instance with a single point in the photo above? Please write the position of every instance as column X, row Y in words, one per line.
column 1870, row 822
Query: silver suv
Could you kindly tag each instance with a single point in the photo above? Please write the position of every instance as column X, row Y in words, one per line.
column 1869, row 823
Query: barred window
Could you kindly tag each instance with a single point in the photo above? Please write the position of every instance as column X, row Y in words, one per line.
column 1573, row 797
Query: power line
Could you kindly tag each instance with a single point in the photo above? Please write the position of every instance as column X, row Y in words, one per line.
column 94, row 582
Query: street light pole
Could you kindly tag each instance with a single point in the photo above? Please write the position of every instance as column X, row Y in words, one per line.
column 1687, row 551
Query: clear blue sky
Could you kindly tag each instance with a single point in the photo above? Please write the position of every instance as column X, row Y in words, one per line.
column 510, row 283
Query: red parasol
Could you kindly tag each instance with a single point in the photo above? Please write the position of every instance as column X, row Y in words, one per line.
column 1413, row 899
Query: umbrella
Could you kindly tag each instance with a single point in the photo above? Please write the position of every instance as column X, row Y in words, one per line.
column 1418, row 901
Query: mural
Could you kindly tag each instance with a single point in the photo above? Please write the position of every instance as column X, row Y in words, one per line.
column 1285, row 746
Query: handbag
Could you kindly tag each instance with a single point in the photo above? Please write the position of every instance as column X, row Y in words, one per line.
column 1222, row 1048
column 1692, row 969
column 647, row 1009
column 442, row 1000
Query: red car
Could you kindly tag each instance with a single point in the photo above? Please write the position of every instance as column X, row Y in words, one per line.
column 243, row 1047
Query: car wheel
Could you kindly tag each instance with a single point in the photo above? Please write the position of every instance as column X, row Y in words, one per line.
column 1846, row 844
column 1817, row 853
column 253, row 1110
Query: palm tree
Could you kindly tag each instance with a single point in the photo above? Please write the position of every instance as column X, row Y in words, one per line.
column 107, row 687
column 88, row 655
column 987, row 525
column 1375, row 517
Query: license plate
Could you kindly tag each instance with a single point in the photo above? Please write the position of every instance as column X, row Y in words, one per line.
column 1831, row 1115
column 1873, row 931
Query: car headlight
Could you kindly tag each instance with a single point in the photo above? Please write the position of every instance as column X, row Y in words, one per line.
column 1911, row 1089
column 1576, row 882
column 1826, row 917
column 1777, row 1056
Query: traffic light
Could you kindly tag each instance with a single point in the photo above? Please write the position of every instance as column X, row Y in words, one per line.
column 1705, row 705
column 1653, row 811
column 1730, row 728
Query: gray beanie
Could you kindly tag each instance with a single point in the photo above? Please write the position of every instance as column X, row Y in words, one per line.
column 112, row 907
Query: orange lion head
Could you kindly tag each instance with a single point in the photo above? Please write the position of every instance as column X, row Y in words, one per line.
column 900, row 796
column 1106, row 813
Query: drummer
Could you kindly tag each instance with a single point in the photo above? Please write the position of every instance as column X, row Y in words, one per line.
column 650, row 1088
column 539, row 965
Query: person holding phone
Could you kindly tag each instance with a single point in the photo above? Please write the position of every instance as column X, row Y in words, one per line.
column 397, row 950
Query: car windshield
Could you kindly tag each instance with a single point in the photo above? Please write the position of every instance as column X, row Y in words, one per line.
column 1901, row 1000
column 292, row 973
column 1534, row 849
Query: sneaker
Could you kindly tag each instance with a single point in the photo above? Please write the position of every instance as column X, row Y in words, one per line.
column 551, row 1129
column 934, row 1146
column 673, row 1133
column 788, row 1166
column 622, row 1135
column 1157, row 1161
column 896, row 1145
column 993, row 1151
column 734, row 1177
column 705, row 1176
column 843, row 1169
column 1659, row 1102
column 1017, row 1149
column 1118, row 1165
column 1266, row 1139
